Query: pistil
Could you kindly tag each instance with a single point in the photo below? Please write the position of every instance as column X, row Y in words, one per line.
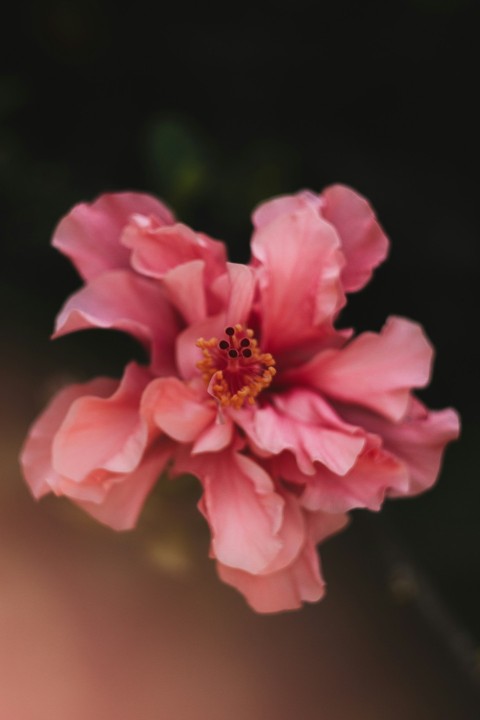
column 235, row 369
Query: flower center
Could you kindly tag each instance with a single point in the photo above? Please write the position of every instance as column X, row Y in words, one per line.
column 235, row 368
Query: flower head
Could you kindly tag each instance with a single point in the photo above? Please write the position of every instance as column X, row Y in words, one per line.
column 287, row 422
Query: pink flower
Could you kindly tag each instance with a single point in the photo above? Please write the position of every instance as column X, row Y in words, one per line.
column 287, row 422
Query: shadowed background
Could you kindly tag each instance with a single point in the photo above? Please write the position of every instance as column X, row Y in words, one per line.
column 213, row 119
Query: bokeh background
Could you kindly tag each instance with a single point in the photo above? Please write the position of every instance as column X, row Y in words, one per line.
column 215, row 118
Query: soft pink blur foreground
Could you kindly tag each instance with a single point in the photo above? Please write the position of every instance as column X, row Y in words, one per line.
column 89, row 629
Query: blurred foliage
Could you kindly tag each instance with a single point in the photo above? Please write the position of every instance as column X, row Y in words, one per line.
column 180, row 163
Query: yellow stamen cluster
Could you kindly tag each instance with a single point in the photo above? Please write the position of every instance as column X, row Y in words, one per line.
column 236, row 371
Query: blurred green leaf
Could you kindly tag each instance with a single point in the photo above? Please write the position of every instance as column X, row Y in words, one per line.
column 179, row 162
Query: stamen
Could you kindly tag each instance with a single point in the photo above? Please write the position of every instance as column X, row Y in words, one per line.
column 236, row 371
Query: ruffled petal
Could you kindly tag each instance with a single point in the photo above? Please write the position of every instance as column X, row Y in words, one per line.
column 103, row 433
column 375, row 474
column 36, row 454
column 119, row 299
column 377, row 371
column 241, row 506
column 298, row 266
column 301, row 422
column 156, row 250
column 301, row 581
column 90, row 234
column 75, row 437
column 419, row 440
column 125, row 495
column 292, row 535
column 364, row 242
column 277, row 592
column 177, row 409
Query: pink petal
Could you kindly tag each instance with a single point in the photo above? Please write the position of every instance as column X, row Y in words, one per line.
column 374, row 475
column 309, row 407
column 231, row 294
column 376, row 371
column 292, row 534
column 240, row 293
column 103, row 433
column 216, row 437
column 283, row 590
column 419, row 440
column 301, row 581
column 90, row 234
column 156, row 250
column 272, row 209
column 241, row 506
column 119, row 299
column 323, row 525
column 36, row 454
column 123, row 501
column 298, row 269
column 364, row 243
column 301, row 422
column 113, row 498
column 187, row 352
column 177, row 409
column 92, row 488
column 185, row 288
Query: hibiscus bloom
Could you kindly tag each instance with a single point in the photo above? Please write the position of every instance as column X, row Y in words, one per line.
column 287, row 422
